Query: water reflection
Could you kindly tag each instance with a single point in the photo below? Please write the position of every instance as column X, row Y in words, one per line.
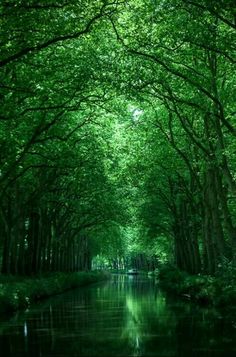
column 128, row 316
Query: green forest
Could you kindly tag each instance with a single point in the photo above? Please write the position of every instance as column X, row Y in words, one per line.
column 117, row 136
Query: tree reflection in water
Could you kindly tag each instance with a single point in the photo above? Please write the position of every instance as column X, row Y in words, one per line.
column 127, row 316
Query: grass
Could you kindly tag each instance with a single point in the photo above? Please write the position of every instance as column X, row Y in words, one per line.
column 19, row 292
column 219, row 291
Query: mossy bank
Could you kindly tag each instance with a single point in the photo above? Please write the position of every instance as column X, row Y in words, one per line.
column 19, row 292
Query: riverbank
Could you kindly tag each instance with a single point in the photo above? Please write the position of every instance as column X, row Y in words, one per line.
column 219, row 291
column 19, row 292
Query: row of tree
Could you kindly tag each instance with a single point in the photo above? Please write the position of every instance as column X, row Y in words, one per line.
column 117, row 117
column 182, row 72
column 55, row 188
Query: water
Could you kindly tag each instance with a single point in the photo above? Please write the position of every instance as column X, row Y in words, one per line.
column 127, row 316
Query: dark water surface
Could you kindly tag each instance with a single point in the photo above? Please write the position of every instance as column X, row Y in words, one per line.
column 127, row 316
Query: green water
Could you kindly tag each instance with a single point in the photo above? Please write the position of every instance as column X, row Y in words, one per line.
column 126, row 316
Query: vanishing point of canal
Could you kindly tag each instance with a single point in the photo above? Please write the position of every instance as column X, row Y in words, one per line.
column 126, row 316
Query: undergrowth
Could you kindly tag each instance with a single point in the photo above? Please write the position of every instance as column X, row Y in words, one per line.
column 19, row 292
column 219, row 290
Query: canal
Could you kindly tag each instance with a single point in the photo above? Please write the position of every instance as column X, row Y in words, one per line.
column 126, row 316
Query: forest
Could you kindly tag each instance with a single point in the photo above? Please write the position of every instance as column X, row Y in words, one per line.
column 117, row 135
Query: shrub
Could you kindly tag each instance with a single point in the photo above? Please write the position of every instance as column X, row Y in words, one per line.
column 219, row 290
column 19, row 293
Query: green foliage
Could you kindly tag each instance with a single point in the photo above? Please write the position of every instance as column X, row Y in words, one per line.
column 20, row 293
column 117, row 135
column 203, row 289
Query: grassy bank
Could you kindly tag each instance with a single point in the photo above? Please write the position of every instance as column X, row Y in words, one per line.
column 206, row 290
column 19, row 292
